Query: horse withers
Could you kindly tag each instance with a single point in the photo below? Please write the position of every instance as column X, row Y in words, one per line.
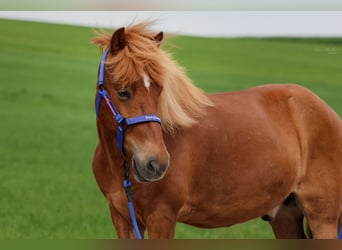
column 217, row 159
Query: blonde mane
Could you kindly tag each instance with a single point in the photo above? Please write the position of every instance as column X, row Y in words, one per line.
column 181, row 103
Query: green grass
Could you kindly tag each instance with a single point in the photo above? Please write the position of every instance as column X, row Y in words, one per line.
column 48, row 135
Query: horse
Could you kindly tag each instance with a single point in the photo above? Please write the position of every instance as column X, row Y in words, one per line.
column 210, row 160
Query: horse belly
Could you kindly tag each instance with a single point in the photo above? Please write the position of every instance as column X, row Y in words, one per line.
column 234, row 188
column 238, row 188
column 226, row 205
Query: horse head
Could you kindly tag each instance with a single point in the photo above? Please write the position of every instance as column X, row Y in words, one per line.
column 133, row 93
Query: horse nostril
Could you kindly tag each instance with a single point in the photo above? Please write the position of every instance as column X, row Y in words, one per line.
column 152, row 166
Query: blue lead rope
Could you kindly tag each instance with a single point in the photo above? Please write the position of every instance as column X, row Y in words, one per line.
column 129, row 194
column 340, row 234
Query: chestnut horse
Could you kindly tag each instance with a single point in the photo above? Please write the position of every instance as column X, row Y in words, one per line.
column 218, row 159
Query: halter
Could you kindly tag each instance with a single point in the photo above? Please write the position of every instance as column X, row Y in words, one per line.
column 123, row 124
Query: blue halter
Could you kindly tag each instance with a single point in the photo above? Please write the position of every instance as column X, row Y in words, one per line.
column 123, row 124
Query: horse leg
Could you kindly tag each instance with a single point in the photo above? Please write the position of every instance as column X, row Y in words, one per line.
column 322, row 211
column 161, row 225
column 288, row 222
column 124, row 228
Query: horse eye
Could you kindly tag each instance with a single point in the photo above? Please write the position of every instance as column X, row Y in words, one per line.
column 124, row 95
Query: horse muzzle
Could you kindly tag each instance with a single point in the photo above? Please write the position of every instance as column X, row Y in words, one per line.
column 152, row 169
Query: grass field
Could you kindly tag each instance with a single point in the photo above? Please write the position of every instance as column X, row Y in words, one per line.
column 48, row 135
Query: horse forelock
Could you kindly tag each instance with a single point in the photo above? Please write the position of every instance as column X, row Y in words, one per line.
column 181, row 103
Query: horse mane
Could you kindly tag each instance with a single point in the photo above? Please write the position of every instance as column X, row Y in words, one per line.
column 181, row 103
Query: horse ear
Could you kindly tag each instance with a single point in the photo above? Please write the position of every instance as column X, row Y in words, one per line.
column 159, row 37
column 118, row 41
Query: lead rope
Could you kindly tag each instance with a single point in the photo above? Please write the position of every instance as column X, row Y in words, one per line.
column 129, row 194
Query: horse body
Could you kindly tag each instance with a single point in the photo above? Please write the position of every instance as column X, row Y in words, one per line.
column 241, row 170
column 243, row 158
column 260, row 155
column 252, row 159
